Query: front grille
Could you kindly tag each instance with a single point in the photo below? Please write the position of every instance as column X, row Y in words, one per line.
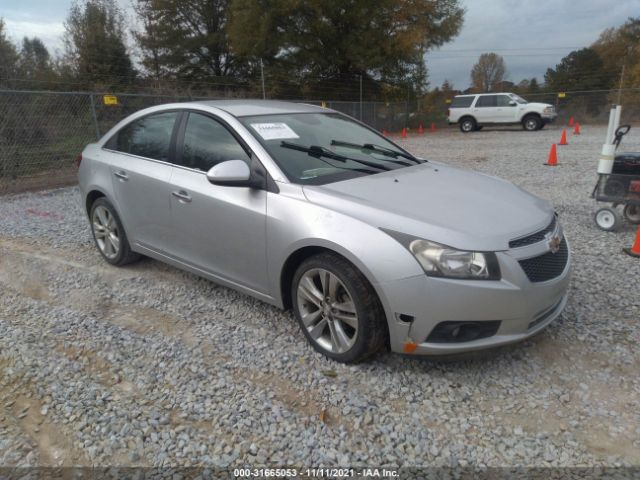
column 547, row 266
column 534, row 237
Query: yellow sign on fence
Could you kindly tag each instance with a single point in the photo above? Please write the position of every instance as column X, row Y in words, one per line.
column 110, row 100
column 561, row 94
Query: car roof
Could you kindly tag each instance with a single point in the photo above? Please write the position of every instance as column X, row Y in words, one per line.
column 483, row 94
column 244, row 108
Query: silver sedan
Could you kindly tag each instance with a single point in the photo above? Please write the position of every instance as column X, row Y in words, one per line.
column 306, row 208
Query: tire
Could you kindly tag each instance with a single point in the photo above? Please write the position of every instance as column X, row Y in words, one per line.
column 337, row 309
column 106, row 227
column 542, row 125
column 632, row 214
column 468, row 124
column 608, row 219
column 531, row 123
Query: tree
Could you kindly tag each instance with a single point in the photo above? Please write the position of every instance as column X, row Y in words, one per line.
column 488, row 73
column 8, row 56
column 523, row 86
column 619, row 46
column 95, row 43
column 187, row 39
column 333, row 42
column 34, row 61
column 580, row 70
column 534, row 86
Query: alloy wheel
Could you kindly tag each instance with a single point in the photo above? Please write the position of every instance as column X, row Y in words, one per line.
column 327, row 310
column 105, row 230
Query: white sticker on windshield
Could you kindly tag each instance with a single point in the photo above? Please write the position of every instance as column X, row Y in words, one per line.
column 274, row 131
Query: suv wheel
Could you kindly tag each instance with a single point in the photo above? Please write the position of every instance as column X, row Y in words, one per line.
column 467, row 125
column 337, row 309
column 531, row 123
column 109, row 235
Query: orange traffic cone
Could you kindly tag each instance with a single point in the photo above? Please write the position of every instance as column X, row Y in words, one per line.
column 634, row 251
column 433, row 127
column 571, row 121
column 563, row 138
column 553, row 156
column 420, row 129
column 404, row 133
column 576, row 131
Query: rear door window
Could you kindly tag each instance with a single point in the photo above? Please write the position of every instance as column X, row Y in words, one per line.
column 148, row 137
column 487, row 101
column 462, row 102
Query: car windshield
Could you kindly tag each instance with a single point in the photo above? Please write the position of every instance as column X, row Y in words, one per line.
column 518, row 99
column 320, row 148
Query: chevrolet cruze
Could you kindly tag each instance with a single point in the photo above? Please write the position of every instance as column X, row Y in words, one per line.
column 306, row 208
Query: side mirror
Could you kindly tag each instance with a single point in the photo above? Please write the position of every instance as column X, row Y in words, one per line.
column 232, row 173
column 513, row 103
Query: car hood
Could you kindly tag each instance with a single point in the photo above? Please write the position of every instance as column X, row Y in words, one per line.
column 455, row 207
column 538, row 105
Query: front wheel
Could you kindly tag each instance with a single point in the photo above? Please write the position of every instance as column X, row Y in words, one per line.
column 608, row 219
column 337, row 309
column 531, row 123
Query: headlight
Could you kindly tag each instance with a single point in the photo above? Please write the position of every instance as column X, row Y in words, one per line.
column 442, row 261
column 549, row 110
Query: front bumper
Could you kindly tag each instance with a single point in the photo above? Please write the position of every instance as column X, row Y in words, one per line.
column 548, row 117
column 523, row 307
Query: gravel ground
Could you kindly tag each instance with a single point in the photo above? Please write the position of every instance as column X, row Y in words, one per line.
column 147, row 365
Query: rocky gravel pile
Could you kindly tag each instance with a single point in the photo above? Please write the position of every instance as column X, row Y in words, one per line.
column 150, row 366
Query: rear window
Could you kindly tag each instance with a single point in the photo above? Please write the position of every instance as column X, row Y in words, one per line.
column 462, row 102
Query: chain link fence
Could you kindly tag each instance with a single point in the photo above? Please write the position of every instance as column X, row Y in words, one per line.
column 41, row 133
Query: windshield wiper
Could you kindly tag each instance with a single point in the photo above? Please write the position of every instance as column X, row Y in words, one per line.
column 387, row 152
column 318, row 151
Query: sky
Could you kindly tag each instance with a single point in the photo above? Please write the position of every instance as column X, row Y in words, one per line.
column 531, row 35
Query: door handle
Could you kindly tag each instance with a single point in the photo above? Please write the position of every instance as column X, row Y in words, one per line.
column 122, row 175
column 182, row 196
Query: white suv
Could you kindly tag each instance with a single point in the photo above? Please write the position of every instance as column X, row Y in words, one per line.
column 474, row 111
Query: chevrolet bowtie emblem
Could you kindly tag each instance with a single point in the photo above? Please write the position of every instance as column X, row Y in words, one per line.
column 554, row 243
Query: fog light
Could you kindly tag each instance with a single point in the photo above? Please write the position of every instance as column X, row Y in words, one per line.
column 456, row 332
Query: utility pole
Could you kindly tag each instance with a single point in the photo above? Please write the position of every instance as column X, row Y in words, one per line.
column 264, row 93
column 360, row 97
column 621, row 83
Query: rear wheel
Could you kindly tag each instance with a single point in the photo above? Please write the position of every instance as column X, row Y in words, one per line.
column 632, row 214
column 531, row 123
column 337, row 309
column 467, row 124
column 109, row 234
column 608, row 219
